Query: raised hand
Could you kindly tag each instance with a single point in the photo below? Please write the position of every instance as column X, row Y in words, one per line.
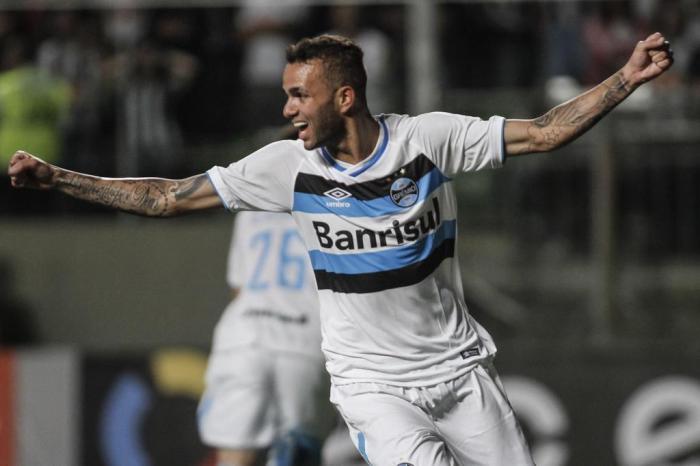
column 28, row 171
column 650, row 58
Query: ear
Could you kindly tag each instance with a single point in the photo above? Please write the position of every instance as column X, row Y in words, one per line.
column 345, row 99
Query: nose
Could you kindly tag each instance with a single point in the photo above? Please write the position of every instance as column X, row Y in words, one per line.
column 289, row 109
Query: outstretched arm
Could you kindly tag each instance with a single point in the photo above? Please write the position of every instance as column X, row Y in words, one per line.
column 154, row 197
column 564, row 123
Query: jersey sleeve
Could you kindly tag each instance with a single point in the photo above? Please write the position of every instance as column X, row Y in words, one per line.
column 261, row 181
column 460, row 143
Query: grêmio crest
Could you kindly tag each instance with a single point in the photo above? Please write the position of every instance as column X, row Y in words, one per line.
column 404, row 192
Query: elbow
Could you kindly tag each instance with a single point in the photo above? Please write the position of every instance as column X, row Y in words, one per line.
column 172, row 210
column 161, row 208
column 550, row 140
column 529, row 147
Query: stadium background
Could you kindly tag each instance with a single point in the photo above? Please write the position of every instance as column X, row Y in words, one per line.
column 585, row 264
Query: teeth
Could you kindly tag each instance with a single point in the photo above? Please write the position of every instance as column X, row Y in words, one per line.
column 300, row 124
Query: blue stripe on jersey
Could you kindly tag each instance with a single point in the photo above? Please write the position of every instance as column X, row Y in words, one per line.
column 387, row 259
column 371, row 161
column 353, row 207
column 361, row 447
column 331, row 161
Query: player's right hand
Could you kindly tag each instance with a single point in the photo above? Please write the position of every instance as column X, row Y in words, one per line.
column 28, row 171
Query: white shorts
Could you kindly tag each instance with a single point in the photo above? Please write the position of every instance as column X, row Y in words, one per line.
column 253, row 396
column 466, row 421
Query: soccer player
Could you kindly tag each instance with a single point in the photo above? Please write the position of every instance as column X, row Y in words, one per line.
column 265, row 385
column 373, row 198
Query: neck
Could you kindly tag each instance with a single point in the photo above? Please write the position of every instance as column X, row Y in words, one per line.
column 361, row 135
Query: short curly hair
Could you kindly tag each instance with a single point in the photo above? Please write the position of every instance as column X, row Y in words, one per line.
column 341, row 57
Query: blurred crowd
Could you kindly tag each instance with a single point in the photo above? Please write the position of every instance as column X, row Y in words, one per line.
column 140, row 92
column 560, row 43
column 129, row 92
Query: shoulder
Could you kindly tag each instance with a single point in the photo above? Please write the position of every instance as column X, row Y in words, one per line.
column 435, row 120
column 286, row 147
column 283, row 157
column 428, row 122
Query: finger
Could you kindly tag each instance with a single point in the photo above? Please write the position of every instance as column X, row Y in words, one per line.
column 664, row 64
column 17, row 156
column 15, row 166
column 22, row 163
column 665, row 53
column 18, row 181
column 665, row 46
column 655, row 37
column 659, row 57
column 653, row 41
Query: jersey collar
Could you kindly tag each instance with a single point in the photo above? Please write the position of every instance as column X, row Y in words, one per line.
column 371, row 160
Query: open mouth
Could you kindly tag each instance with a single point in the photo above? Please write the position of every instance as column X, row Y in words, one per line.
column 301, row 127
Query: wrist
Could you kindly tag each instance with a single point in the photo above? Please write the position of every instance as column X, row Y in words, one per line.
column 628, row 76
column 60, row 178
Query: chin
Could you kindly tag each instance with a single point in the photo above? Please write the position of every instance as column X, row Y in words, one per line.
column 311, row 145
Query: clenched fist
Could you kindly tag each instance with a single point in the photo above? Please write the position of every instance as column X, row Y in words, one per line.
column 28, row 171
column 650, row 58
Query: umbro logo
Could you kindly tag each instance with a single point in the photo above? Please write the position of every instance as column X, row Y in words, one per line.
column 337, row 194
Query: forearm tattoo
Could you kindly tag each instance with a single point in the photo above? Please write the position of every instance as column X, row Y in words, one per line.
column 566, row 122
column 139, row 196
column 186, row 188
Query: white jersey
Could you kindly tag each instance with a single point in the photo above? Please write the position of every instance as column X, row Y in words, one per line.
column 381, row 236
column 277, row 304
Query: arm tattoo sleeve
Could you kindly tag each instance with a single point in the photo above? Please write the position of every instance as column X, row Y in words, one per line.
column 144, row 196
column 566, row 122
column 186, row 188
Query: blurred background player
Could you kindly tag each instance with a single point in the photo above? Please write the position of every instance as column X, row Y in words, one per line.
column 266, row 388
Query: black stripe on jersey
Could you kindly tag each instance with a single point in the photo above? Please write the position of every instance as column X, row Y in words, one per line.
column 368, row 190
column 385, row 280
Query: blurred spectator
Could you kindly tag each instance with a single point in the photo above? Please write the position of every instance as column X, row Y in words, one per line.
column 265, row 28
column 564, row 52
column 149, row 77
column 177, row 29
column 149, row 80
column 124, row 28
column 213, row 103
column 381, row 89
column 32, row 105
column 72, row 53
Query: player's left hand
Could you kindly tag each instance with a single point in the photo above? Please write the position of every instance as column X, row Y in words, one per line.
column 650, row 58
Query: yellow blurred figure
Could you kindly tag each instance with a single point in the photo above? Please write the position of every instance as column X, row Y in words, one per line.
column 32, row 107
